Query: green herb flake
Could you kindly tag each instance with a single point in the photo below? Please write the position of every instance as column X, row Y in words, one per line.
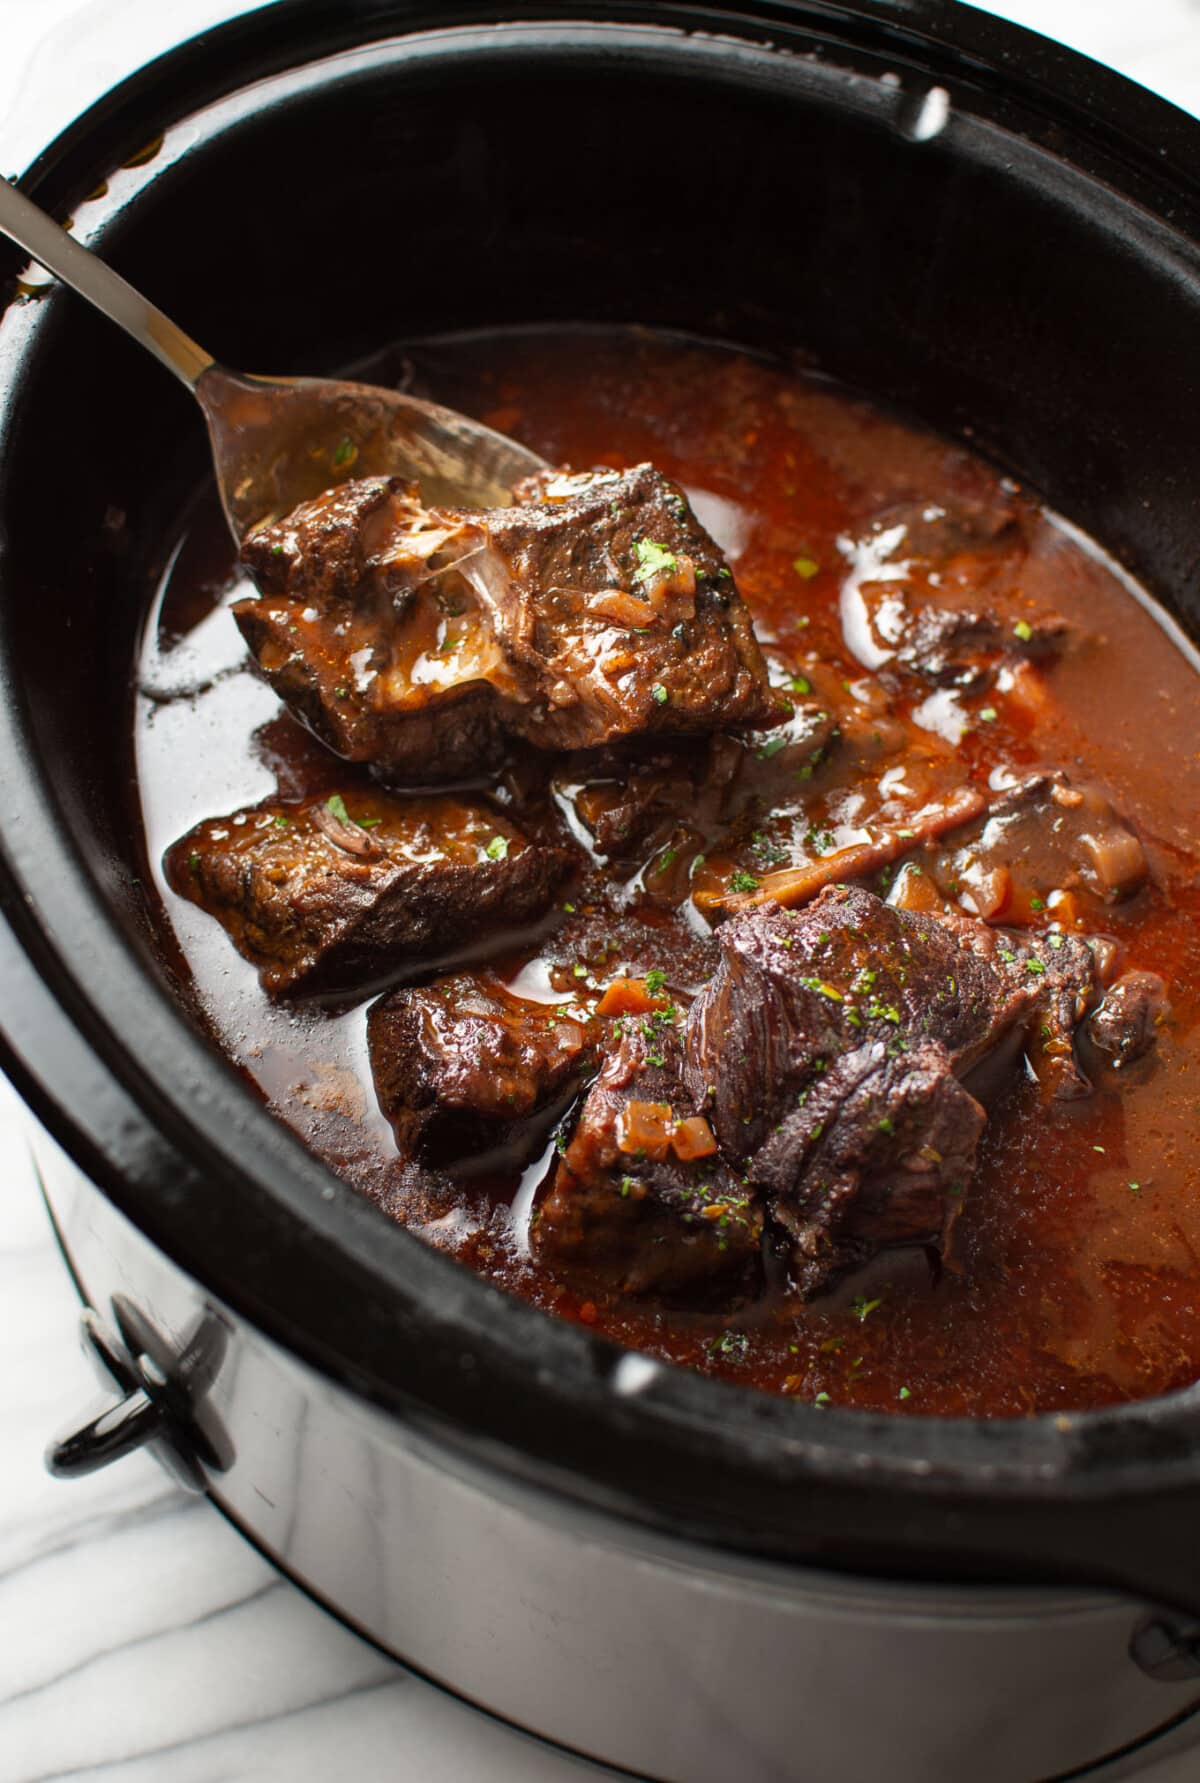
column 276, row 550
column 337, row 804
column 742, row 881
column 194, row 861
column 823, row 990
column 1037, row 903
column 822, row 1399
column 806, row 568
column 570, row 909
column 1023, row 630
column 904, row 1393
column 655, row 980
column 653, row 560
column 1135, row 1188
column 862, row 1309
column 771, row 747
column 988, row 714
column 346, row 453
column 800, row 684
column 283, row 823
column 1037, row 967
column 659, row 694
column 579, row 970
column 666, row 859
column 497, row 848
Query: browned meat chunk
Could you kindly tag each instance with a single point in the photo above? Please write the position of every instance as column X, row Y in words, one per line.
column 826, row 1051
column 457, row 1061
column 597, row 608
column 367, row 633
column 616, row 613
column 642, row 1203
column 961, row 646
column 1039, row 841
column 628, row 804
column 933, row 593
column 1126, row 1025
column 330, row 895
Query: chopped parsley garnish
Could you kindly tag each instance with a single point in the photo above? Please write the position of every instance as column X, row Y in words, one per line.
column 497, row 848
column 579, row 970
column 904, row 1393
column 283, row 823
column 1135, row 1188
column 194, row 861
column 659, row 694
column 570, row 909
column 806, row 567
column 988, row 714
column 821, row 1399
column 666, row 859
column 734, row 1344
column 1037, row 967
column 1037, row 903
column 800, row 684
column 742, row 881
column 346, row 453
column 655, row 980
column 822, row 989
column 337, row 804
column 771, row 747
column 1023, row 630
column 276, row 550
column 862, row 1309
column 652, row 559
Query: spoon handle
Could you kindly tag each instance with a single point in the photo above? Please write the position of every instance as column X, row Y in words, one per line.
column 85, row 273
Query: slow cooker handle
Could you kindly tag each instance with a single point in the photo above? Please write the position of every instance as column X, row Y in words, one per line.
column 163, row 1400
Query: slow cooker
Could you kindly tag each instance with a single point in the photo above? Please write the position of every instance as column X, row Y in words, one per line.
column 656, row 1569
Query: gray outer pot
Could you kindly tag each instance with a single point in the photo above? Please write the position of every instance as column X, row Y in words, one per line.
column 674, row 1661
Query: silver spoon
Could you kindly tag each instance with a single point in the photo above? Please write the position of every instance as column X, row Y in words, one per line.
column 280, row 441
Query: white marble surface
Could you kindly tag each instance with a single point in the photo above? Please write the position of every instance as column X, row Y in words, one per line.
column 141, row 1640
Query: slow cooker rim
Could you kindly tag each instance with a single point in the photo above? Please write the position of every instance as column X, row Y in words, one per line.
column 1004, row 1459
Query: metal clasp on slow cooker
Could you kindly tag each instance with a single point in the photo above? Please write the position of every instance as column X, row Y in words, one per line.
column 163, row 1404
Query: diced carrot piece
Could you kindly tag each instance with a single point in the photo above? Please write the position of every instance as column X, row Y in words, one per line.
column 645, row 1128
column 628, row 996
column 693, row 1138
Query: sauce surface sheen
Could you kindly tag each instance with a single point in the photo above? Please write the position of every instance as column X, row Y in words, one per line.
column 1074, row 1279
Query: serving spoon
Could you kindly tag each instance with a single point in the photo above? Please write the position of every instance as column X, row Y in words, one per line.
column 280, row 441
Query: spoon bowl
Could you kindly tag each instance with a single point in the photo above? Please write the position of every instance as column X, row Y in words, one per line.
column 279, row 441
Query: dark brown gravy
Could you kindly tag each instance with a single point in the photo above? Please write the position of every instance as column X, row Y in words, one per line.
column 1075, row 1278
